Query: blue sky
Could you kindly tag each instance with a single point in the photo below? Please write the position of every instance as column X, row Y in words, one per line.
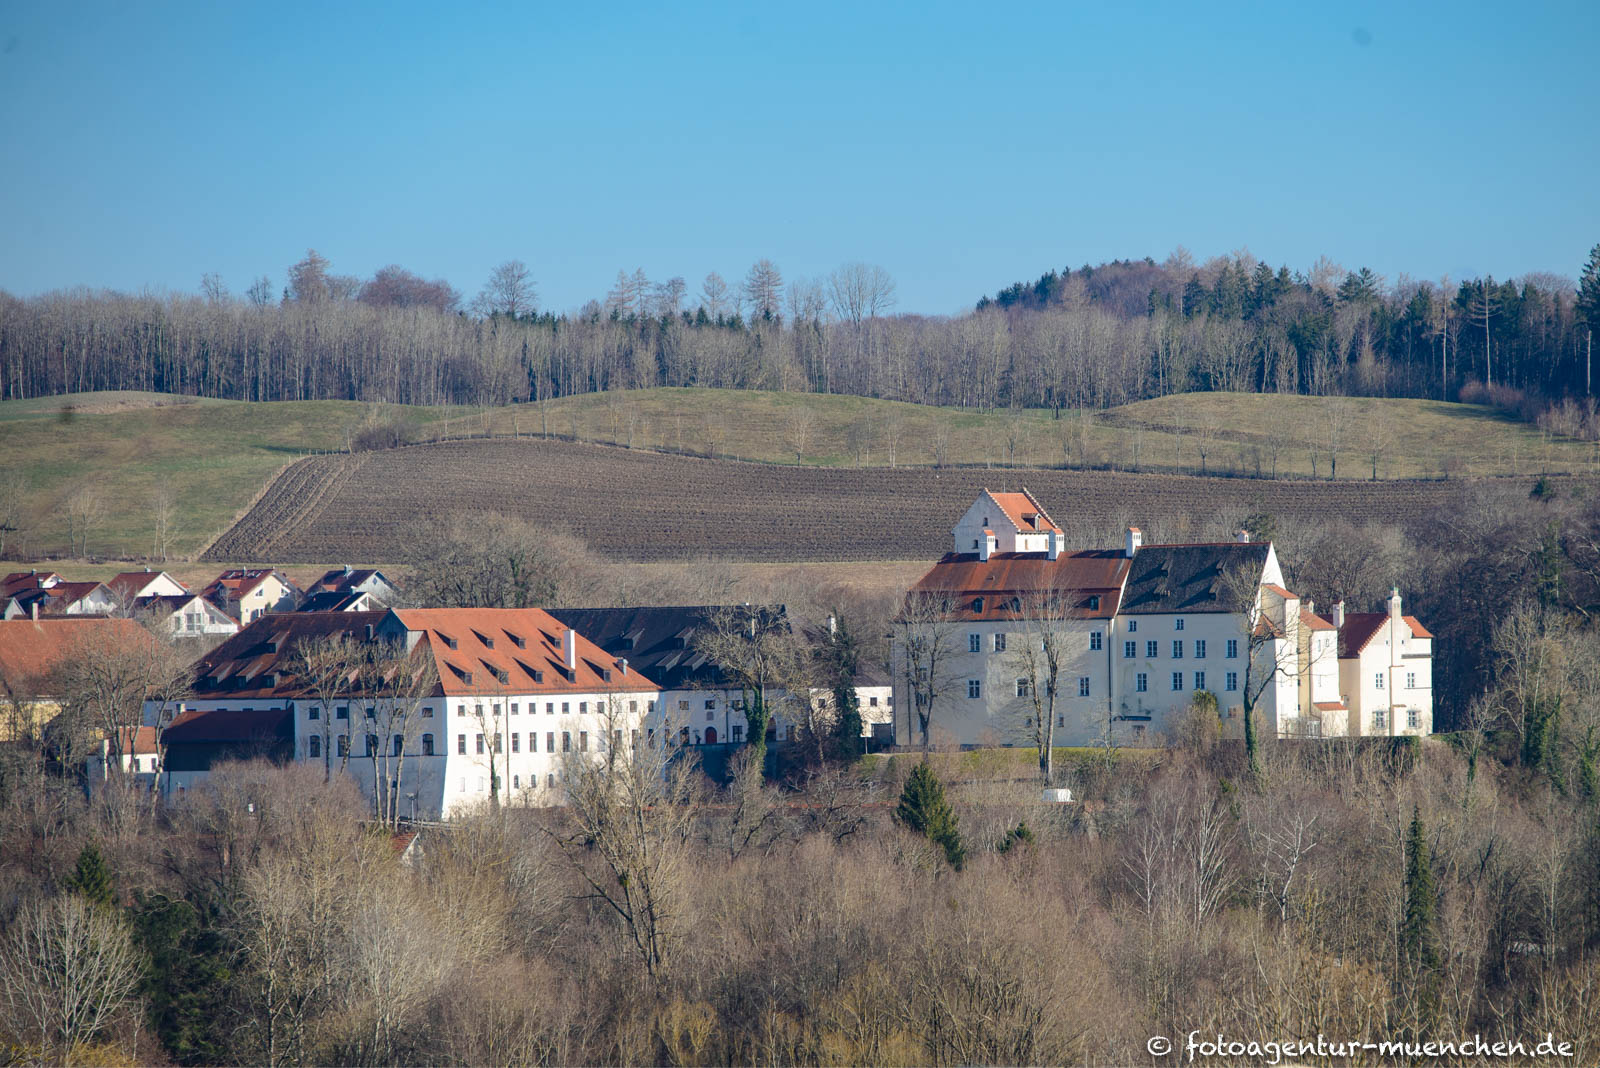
column 960, row 147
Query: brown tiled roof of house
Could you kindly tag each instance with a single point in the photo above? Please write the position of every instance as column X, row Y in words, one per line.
column 127, row 584
column 1024, row 511
column 139, row 741
column 1006, row 578
column 1330, row 706
column 239, row 581
column 1361, row 627
column 1280, row 591
column 217, row 725
column 1311, row 621
column 259, row 661
column 18, row 581
column 30, row 649
column 514, row 650
column 343, row 579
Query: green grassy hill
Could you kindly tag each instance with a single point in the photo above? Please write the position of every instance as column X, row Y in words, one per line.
column 217, row 456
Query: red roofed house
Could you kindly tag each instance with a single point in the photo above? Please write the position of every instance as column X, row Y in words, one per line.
column 129, row 586
column 30, row 594
column 186, row 615
column 1385, row 670
column 516, row 694
column 141, row 758
column 247, row 593
column 31, row 650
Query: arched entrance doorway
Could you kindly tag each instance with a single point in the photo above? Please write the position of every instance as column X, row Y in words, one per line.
column 711, row 736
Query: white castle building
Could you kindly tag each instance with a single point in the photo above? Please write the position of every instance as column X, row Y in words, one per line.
column 1141, row 633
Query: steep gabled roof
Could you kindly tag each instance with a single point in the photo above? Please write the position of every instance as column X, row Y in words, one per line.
column 1311, row 621
column 660, row 641
column 1089, row 581
column 129, row 584
column 1024, row 511
column 1188, row 578
column 18, row 581
column 1361, row 627
column 335, row 601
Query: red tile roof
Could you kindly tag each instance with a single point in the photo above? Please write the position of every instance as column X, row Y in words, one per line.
column 1330, row 706
column 127, row 584
column 18, row 581
column 1019, row 507
column 1079, row 576
column 513, row 650
column 1361, row 627
column 139, row 741
column 227, row 725
column 1311, row 621
column 1280, row 591
column 30, row 649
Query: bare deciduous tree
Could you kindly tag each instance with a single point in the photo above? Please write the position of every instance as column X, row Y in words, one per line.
column 509, row 291
column 926, row 635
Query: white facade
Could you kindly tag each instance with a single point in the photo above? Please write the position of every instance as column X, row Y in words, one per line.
column 1388, row 683
column 450, row 746
column 199, row 618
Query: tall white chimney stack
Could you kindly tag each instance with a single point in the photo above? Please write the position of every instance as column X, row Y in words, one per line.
column 1338, row 615
column 1135, row 539
column 569, row 649
column 1242, row 537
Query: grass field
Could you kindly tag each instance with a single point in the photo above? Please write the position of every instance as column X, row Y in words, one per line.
column 217, row 456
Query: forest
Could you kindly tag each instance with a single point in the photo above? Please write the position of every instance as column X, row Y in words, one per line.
column 1085, row 338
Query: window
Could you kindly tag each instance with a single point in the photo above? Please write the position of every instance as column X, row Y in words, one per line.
column 1413, row 718
column 1411, row 680
column 371, row 713
column 1232, row 681
column 1199, row 648
column 533, row 741
column 974, row 643
column 551, row 778
column 427, row 711
column 344, row 745
column 633, row 706
column 499, row 746
column 497, row 710
column 1232, row 650
column 480, row 745
column 711, row 717
column 566, row 706
column 1177, row 650
column 1199, row 680
column 1152, row 650
column 635, row 739
column 583, row 741
column 1133, row 626
column 427, row 745
column 872, row 702
column 616, row 739
column 1177, row 680
column 1138, row 732
column 549, row 708
column 313, row 712
column 683, row 706
column 549, row 741
column 583, row 708
column 711, row 702
column 342, row 712
column 1023, row 688
column 1061, row 721
column 1141, row 682
column 1094, row 602
column 1380, row 680
column 650, row 738
column 514, row 709
column 1083, row 686
column 1000, row 642
column 461, row 744
column 372, row 745
column 1177, row 624
column 974, row 688
column 314, row 747
column 1096, row 641
column 1130, row 650
column 516, row 742
column 399, row 743
column 1380, row 719
column 566, row 741
column 738, row 733
column 516, row 782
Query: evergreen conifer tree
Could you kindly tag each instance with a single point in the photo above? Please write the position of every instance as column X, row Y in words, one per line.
column 1419, row 940
column 91, row 878
column 923, row 809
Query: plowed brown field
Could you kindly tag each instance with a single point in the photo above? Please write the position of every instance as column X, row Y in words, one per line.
column 648, row 506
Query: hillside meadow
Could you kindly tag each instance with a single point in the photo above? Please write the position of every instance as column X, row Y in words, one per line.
column 216, row 458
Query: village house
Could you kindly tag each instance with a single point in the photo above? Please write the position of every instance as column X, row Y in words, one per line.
column 1139, row 632
column 130, row 586
column 31, row 653
column 509, row 696
column 339, row 601
column 378, row 590
column 247, row 593
column 141, row 759
column 31, row 594
column 184, row 615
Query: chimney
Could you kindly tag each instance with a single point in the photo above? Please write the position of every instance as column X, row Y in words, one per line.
column 1056, row 540
column 34, row 610
column 1394, row 603
column 1135, row 539
column 622, row 664
column 569, row 649
column 1338, row 615
column 1242, row 537
column 1311, row 606
column 985, row 546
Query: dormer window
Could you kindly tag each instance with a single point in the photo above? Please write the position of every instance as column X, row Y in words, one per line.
column 518, row 640
column 1094, row 602
column 977, row 604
